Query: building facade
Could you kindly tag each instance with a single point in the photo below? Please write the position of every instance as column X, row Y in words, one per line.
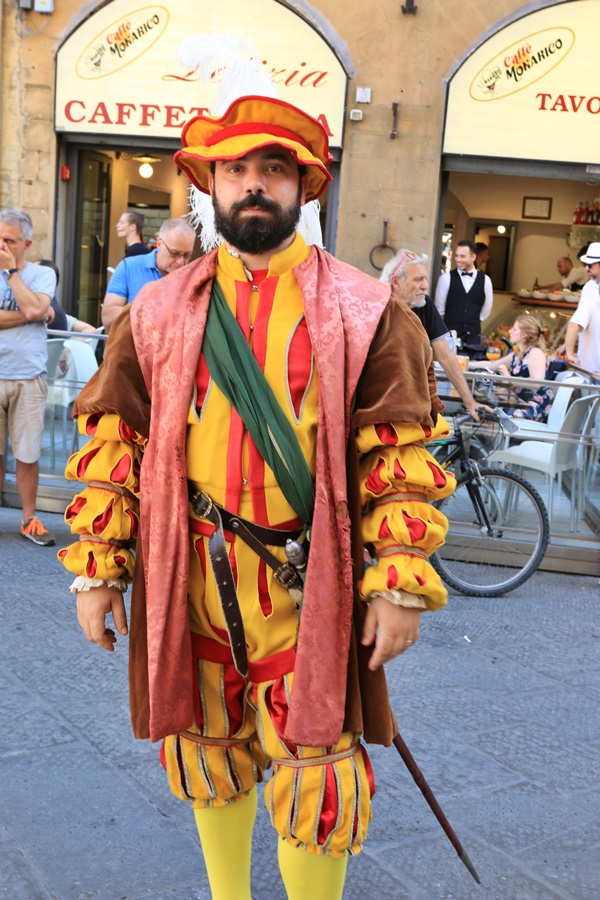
column 445, row 122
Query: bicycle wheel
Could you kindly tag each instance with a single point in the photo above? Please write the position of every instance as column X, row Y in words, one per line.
column 488, row 561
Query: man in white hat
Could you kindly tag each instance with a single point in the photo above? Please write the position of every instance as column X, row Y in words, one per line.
column 585, row 321
column 284, row 391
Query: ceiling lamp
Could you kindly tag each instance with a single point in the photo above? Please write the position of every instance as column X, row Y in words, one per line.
column 146, row 170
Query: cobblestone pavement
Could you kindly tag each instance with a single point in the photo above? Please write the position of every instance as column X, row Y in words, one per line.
column 498, row 702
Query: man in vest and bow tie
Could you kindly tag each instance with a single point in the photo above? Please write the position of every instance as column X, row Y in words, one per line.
column 464, row 298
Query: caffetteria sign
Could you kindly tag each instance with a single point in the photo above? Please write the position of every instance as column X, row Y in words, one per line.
column 531, row 90
column 118, row 72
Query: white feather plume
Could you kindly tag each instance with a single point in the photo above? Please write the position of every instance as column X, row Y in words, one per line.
column 230, row 62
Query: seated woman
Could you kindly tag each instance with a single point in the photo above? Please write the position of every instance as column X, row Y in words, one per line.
column 527, row 360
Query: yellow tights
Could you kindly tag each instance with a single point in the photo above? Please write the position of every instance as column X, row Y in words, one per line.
column 226, row 838
column 225, row 827
column 306, row 875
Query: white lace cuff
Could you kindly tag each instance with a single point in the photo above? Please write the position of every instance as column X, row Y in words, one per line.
column 82, row 583
column 402, row 598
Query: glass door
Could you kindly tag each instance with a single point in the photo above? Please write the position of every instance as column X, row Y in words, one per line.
column 93, row 212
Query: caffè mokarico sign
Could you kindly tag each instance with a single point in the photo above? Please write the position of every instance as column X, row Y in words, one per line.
column 118, row 72
column 532, row 90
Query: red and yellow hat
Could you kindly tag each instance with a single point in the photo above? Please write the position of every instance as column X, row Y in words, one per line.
column 248, row 124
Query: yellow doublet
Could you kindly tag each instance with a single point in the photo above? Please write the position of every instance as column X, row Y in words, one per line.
column 223, row 461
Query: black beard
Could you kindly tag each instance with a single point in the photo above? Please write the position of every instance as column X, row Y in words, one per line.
column 257, row 234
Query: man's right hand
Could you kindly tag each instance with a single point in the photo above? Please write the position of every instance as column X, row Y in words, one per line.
column 92, row 608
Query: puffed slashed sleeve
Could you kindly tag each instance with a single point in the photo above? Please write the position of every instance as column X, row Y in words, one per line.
column 396, row 412
column 398, row 480
column 105, row 514
column 113, row 412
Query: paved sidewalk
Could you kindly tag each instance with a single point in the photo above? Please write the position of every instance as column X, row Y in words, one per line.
column 498, row 702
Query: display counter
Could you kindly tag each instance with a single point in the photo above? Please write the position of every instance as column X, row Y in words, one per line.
column 545, row 304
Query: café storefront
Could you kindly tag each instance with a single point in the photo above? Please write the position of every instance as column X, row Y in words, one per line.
column 441, row 124
column 121, row 100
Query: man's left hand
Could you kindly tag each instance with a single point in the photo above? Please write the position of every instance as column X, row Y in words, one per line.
column 393, row 629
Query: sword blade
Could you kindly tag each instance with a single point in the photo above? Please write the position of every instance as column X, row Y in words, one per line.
column 435, row 807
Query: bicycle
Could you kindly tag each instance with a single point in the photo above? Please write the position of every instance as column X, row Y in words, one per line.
column 498, row 524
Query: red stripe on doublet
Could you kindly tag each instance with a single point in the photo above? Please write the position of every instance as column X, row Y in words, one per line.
column 234, row 686
column 237, row 429
column 256, row 464
column 299, row 365
column 202, row 382
column 263, row 590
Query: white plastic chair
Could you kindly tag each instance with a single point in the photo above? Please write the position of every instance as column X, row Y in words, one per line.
column 587, row 455
column 82, row 365
column 91, row 340
column 54, row 348
column 547, row 431
column 552, row 458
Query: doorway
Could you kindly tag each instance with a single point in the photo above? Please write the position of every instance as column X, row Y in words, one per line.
column 93, row 208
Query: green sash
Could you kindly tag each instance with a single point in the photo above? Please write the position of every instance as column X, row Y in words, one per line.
column 236, row 372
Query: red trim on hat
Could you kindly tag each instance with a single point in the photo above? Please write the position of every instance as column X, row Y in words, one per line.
column 254, row 128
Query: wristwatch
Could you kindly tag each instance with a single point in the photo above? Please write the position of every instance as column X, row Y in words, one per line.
column 9, row 272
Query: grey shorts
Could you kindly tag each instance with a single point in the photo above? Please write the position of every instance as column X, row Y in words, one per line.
column 22, row 406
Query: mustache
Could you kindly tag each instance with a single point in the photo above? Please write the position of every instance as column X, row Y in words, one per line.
column 255, row 201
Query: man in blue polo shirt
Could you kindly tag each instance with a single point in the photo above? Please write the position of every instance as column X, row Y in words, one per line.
column 174, row 248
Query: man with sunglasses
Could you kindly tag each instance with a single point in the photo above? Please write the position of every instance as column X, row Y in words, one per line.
column 175, row 245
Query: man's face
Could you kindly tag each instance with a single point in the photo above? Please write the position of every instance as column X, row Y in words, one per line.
column 594, row 270
column 483, row 256
column 563, row 267
column 12, row 241
column 175, row 251
column 257, row 199
column 464, row 259
column 125, row 227
column 413, row 287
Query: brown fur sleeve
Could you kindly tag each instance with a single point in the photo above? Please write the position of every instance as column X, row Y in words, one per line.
column 118, row 386
column 397, row 383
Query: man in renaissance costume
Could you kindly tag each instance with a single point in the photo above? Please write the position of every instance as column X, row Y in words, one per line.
column 262, row 399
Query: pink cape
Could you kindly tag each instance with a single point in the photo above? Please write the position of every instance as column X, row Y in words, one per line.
column 343, row 307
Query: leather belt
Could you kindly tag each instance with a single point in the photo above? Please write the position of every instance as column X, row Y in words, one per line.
column 285, row 574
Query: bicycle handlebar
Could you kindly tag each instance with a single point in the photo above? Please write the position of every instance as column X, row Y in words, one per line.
column 496, row 415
